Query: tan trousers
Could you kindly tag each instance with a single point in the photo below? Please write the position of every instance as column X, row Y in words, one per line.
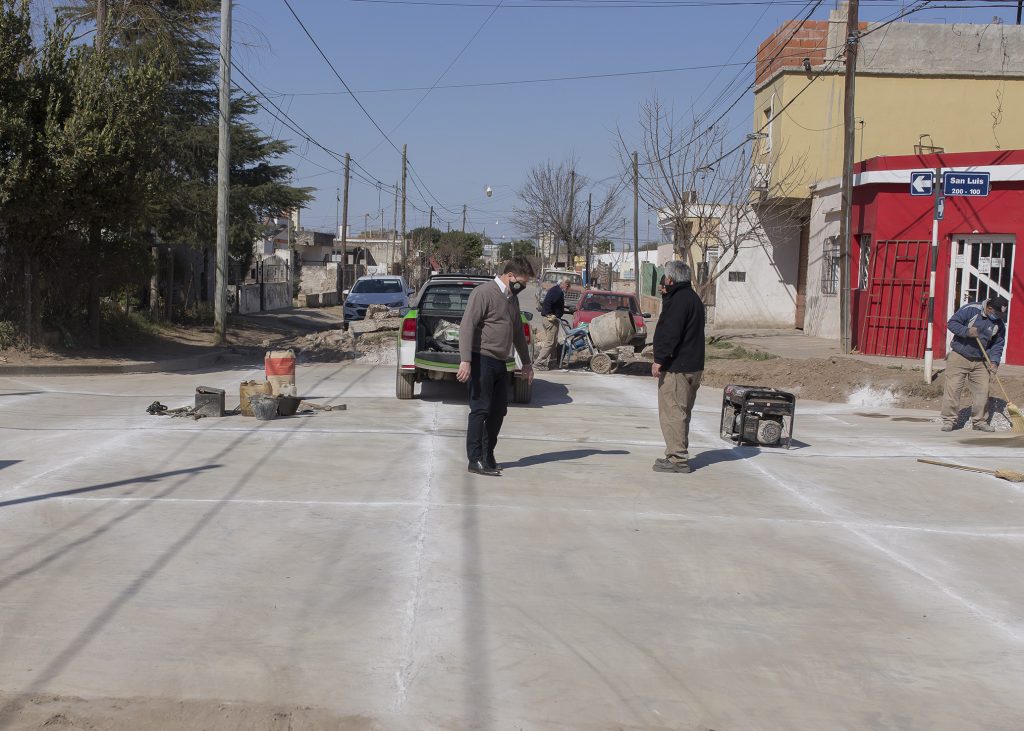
column 960, row 372
column 547, row 338
column 676, row 394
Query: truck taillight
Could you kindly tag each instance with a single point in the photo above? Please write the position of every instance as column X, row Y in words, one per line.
column 409, row 328
column 526, row 332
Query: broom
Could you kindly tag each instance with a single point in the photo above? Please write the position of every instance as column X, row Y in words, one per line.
column 1016, row 417
column 1008, row 475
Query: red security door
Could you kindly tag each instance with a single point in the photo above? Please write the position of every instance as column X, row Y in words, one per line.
column 896, row 310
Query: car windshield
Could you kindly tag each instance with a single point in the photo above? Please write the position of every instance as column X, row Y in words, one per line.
column 609, row 303
column 575, row 280
column 377, row 286
column 448, row 298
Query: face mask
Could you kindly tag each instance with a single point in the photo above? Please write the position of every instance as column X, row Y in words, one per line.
column 516, row 287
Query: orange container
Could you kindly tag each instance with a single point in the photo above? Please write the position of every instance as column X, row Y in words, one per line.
column 280, row 368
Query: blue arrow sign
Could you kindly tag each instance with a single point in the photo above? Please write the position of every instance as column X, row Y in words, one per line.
column 940, row 208
column 921, row 183
column 967, row 184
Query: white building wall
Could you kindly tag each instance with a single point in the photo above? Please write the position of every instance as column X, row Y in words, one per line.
column 821, row 316
column 767, row 263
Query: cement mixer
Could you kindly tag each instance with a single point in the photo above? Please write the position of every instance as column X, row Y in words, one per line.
column 606, row 339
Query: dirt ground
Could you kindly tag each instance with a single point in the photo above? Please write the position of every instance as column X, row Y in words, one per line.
column 835, row 379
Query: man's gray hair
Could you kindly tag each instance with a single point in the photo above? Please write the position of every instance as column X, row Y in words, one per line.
column 565, row 280
column 677, row 271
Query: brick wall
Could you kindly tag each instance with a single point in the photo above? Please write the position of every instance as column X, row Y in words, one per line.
column 790, row 45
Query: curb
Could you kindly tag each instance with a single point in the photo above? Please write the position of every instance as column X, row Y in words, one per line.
column 161, row 366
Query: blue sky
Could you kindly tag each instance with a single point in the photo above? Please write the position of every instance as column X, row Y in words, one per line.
column 461, row 140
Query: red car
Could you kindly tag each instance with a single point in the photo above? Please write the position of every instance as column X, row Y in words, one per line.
column 595, row 302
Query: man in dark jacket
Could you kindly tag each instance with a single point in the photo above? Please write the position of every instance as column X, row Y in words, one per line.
column 678, row 364
column 551, row 310
column 975, row 325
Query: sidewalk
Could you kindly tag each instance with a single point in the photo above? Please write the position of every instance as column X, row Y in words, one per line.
column 794, row 344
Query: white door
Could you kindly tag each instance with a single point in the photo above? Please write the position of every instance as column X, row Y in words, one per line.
column 982, row 267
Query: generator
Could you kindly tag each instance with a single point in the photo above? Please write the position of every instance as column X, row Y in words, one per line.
column 758, row 415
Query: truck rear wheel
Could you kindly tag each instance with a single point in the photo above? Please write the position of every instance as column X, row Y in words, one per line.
column 405, row 385
column 522, row 391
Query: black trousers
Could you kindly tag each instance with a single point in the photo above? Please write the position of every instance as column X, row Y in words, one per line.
column 488, row 404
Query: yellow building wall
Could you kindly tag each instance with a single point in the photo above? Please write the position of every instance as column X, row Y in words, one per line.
column 807, row 138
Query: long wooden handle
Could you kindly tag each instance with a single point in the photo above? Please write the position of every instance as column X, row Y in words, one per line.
column 1006, row 396
column 957, row 466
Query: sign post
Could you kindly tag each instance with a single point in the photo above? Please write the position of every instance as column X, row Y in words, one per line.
column 940, row 208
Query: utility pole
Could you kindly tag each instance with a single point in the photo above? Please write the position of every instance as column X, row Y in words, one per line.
column 570, row 248
column 382, row 223
column 463, row 218
column 394, row 232
column 405, row 246
column 849, row 132
column 220, row 302
column 344, row 225
column 590, row 206
column 431, row 224
column 636, row 225
column 366, row 223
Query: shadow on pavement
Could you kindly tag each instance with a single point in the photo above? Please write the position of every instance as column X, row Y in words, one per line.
column 104, row 486
column 718, row 456
column 545, row 393
column 8, row 462
column 563, row 456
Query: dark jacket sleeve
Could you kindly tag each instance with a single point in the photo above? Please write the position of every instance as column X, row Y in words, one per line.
column 669, row 331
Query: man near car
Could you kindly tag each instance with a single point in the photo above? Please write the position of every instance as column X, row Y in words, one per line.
column 974, row 326
column 551, row 310
column 491, row 328
column 678, row 364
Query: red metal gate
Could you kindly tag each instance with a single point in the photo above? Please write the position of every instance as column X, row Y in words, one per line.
column 896, row 311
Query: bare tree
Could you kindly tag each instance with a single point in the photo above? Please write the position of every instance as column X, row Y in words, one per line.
column 711, row 197
column 553, row 201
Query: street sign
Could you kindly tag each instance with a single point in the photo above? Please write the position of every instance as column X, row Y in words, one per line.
column 940, row 208
column 966, row 184
column 921, row 182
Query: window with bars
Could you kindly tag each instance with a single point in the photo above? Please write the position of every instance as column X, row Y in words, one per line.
column 865, row 262
column 737, row 276
column 831, row 255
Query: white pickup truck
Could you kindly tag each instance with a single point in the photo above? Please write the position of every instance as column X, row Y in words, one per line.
column 428, row 343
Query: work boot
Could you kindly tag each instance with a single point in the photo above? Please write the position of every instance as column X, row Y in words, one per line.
column 947, row 427
column 984, row 427
column 667, row 465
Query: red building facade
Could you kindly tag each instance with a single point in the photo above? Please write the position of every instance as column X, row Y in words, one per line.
column 891, row 246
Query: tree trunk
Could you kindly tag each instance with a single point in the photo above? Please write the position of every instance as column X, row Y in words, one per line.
column 154, row 284
column 169, row 312
column 95, row 247
column 28, row 300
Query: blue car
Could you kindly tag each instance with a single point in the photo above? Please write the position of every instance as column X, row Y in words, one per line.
column 390, row 291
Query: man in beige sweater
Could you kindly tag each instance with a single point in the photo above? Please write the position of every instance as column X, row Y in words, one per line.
column 491, row 327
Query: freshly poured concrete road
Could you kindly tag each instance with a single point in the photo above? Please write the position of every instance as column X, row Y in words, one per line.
column 346, row 561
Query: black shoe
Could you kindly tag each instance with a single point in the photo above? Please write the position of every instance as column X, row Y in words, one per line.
column 492, row 463
column 481, row 468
